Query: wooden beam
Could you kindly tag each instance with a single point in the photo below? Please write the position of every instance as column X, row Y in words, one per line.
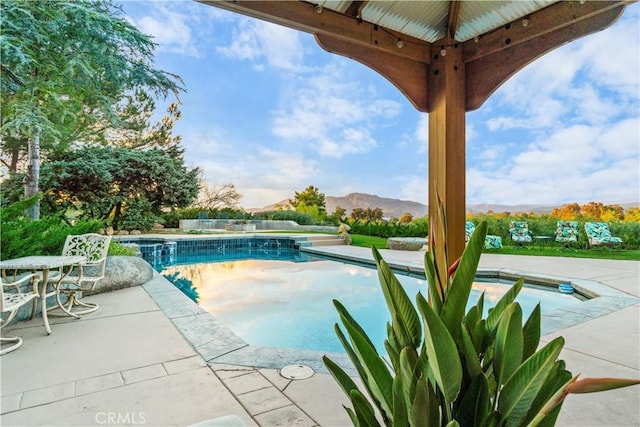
column 486, row 73
column 408, row 76
column 446, row 81
column 454, row 16
column 355, row 9
column 548, row 20
column 303, row 16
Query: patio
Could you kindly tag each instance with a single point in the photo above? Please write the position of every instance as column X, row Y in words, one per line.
column 128, row 364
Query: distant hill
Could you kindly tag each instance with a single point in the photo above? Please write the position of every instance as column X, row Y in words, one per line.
column 390, row 207
column 396, row 207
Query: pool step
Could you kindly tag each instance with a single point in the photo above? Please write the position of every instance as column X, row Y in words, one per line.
column 323, row 240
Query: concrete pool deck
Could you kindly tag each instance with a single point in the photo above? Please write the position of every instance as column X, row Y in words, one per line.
column 142, row 360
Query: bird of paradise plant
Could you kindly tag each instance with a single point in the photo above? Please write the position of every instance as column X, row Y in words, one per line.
column 451, row 368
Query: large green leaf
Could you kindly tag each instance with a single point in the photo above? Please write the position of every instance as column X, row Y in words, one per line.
column 358, row 364
column 394, row 357
column 342, row 378
column 531, row 333
column 545, row 414
column 457, row 295
column 342, row 311
column 352, row 416
column 364, row 412
column 508, row 344
column 400, row 410
column 425, row 411
column 442, row 354
column 377, row 375
column 349, row 350
column 493, row 420
column 518, row 394
column 409, row 373
column 475, row 324
column 503, row 303
column 558, row 377
column 470, row 353
column 399, row 303
column 436, row 293
column 399, row 332
column 475, row 404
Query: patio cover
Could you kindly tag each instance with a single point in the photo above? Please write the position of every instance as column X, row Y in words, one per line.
column 446, row 57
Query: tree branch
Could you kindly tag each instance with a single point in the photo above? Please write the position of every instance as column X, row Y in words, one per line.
column 12, row 76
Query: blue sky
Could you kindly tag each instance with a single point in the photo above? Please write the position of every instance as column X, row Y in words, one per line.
column 269, row 111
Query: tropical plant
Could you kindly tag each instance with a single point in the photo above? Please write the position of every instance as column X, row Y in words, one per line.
column 451, row 368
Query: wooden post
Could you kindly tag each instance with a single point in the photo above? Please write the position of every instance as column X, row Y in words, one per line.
column 446, row 82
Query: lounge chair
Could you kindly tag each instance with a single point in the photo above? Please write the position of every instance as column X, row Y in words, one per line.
column 567, row 233
column 598, row 234
column 519, row 233
column 490, row 242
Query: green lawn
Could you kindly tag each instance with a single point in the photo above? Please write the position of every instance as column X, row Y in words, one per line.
column 623, row 254
column 549, row 250
column 367, row 241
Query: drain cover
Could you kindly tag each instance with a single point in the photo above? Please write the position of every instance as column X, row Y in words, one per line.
column 296, row 372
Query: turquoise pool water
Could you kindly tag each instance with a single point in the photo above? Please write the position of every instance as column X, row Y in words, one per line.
column 287, row 301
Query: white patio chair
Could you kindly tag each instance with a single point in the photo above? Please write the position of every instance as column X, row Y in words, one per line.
column 12, row 299
column 84, row 277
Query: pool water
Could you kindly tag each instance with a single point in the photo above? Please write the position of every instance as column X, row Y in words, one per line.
column 288, row 302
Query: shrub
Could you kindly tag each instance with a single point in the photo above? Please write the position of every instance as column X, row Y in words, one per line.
column 22, row 236
column 451, row 368
column 138, row 216
column 116, row 248
column 298, row 217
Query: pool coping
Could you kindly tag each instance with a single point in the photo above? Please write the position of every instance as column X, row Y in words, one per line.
column 216, row 343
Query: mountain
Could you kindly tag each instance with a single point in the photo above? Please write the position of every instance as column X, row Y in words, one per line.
column 390, row 207
column 396, row 207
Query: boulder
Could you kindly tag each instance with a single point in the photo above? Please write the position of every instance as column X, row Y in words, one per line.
column 123, row 272
column 407, row 243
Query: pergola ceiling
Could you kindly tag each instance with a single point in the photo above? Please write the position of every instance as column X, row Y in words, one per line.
column 429, row 21
column 401, row 39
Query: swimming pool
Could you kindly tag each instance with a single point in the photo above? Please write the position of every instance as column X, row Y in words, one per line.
column 280, row 297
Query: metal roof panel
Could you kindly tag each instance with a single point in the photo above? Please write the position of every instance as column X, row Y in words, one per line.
column 479, row 17
column 423, row 20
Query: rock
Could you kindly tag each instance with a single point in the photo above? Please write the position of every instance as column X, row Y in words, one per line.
column 123, row 272
column 406, row 243
column 157, row 226
column 123, row 233
column 135, row 232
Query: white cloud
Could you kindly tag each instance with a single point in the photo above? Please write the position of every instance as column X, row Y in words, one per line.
column 571, row 125
column 552, row 90
column 579, row 163
column 169, row 26
column 622, row 140
column 265, row 44
column 422, row 133
column 414, row 188
column 262, row 175
column 330, row 113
